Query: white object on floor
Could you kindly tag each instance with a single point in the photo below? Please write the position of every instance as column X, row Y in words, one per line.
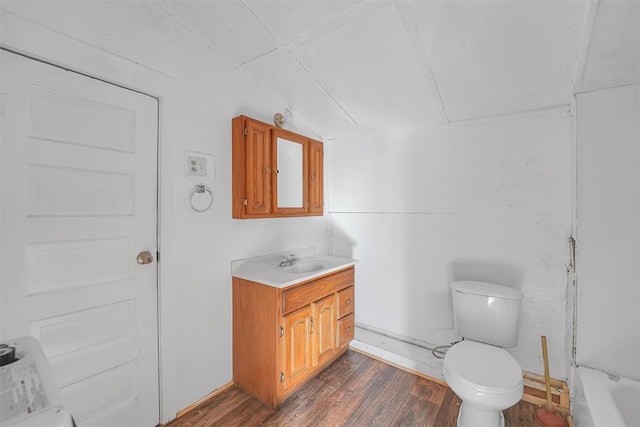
column 39, row 403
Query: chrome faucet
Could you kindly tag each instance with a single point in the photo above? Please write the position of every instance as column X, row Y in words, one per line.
column 285, row 262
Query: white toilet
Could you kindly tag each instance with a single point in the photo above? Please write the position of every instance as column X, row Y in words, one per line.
column 484, row 376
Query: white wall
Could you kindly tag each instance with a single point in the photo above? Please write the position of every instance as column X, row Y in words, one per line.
column 483, row 201
column 138, row 45
column 608, row 256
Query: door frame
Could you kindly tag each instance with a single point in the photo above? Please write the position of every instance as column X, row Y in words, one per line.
column 24, row 37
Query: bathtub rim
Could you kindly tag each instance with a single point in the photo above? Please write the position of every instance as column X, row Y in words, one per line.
column 597, row 388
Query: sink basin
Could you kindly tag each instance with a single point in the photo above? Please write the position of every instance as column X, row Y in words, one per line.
column 265, row 269
column 306, row 267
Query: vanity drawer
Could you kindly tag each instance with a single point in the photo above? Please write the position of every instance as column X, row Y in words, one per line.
column 299, row 296
column 346, row 301
column 346, row 330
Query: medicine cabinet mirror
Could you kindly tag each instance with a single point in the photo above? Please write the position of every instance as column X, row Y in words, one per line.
column 289, row 173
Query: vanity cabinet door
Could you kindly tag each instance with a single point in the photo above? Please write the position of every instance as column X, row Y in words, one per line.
column 316, row 177
column 324, row 329
column 297, row 347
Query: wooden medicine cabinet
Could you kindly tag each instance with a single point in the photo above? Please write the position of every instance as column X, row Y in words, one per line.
column 276, row 173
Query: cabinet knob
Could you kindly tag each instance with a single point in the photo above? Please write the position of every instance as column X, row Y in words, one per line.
column 268, row 170
column 348, row 328
column 349, row 301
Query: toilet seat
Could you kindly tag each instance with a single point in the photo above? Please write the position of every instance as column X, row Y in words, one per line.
column 483, row 367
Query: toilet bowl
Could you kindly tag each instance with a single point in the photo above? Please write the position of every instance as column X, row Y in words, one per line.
column 479, row 370
column 486, row 378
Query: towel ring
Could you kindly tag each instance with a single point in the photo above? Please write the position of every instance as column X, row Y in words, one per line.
column 199, row 189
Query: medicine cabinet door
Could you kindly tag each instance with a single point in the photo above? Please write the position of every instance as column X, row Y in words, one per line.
column 290, row 158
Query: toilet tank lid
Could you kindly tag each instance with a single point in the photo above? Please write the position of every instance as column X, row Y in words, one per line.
column 486, row 289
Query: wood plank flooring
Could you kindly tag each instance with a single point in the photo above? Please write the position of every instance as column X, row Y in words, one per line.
column 356, row 390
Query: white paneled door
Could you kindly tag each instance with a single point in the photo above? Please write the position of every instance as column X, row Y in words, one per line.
column 78, row 192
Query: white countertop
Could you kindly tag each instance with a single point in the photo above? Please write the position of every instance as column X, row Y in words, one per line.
column 264, row 269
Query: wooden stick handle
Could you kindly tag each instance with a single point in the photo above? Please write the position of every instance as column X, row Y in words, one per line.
column 547, row 379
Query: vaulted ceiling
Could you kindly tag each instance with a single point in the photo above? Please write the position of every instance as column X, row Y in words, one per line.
column 386, row 66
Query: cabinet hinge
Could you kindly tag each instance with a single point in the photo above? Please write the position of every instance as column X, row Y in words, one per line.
column 281, row 377
column 246, row 132
column 157, row 256
column 245, row 201
column 281, row 331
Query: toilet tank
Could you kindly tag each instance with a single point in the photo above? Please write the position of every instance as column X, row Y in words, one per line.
column 486, row 312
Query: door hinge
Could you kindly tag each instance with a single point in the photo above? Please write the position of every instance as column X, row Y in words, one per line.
column 281, row 331
column 157, row 256
column 281, row 377
column 246, row 132
column 245, row 201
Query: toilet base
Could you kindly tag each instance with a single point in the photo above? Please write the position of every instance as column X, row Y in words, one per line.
column 472, row 416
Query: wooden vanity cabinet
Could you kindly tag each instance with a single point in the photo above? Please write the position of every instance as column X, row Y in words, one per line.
column 255, row 170
column 283, row 337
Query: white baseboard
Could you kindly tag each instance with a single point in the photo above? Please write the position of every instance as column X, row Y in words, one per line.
column 398, row 353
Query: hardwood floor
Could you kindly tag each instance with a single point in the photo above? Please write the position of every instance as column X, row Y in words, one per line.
column 355, row 391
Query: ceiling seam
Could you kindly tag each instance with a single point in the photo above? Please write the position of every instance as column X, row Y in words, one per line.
column 77, row 40
column 585, row 42
column 196, row 34
column 288, row 109
column 406, row 15
column 553, row 109
column 629, row 79
column 336, row 22
column 328, row 26
column 557, row 109
column 306, row 70
column 266, row 27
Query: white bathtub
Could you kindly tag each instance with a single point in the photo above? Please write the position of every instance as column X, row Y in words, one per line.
column 600, row 401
